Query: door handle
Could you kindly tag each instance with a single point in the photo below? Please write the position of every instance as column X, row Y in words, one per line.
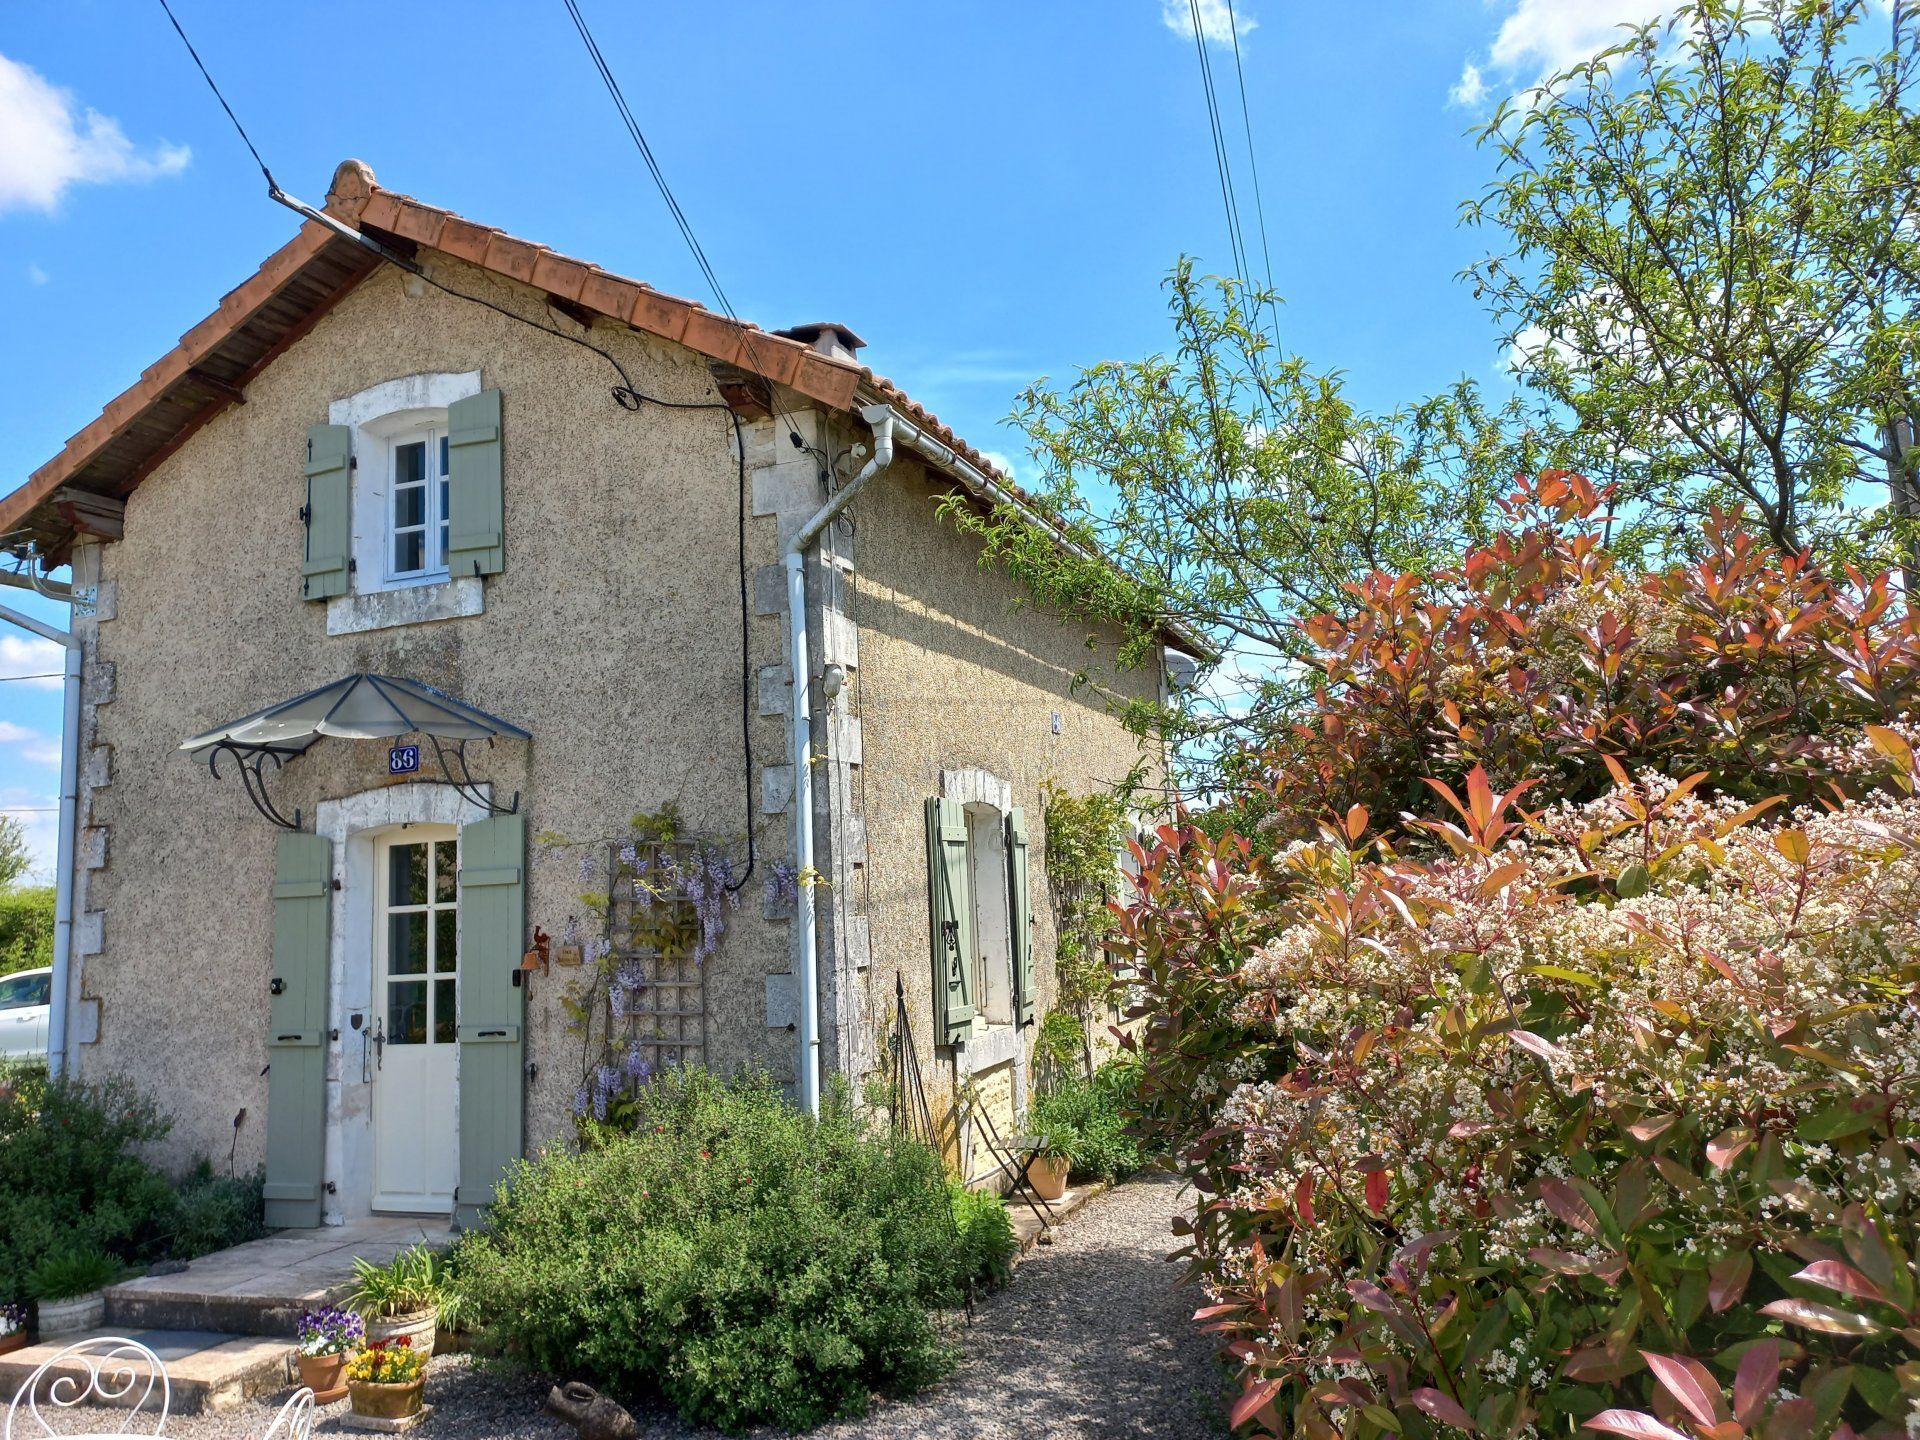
column 379, row 1041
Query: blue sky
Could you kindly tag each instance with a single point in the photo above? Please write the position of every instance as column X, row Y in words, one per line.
column 987, row 192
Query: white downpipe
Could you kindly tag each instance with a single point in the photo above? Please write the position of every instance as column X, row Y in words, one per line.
column 806, row 917
column 59, row 1009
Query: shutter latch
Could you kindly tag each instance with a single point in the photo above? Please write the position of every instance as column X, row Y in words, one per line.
column 306, row 514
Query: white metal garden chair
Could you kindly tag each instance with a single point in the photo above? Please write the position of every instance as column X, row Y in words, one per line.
column 105, row 1370
column 295, row 1420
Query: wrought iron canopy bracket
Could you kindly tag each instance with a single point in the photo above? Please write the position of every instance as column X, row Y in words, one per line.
column 464, row 783
column 251, row 761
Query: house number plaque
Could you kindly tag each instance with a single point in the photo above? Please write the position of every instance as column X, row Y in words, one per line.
column 403, row 759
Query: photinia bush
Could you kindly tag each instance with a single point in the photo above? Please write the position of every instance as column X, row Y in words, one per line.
column 1549, row 1065
column 1539, row 659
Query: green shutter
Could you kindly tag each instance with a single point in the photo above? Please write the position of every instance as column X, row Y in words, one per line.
column 950, row 920
column 329, row 511
column 297, row 1033
column 493, row 922
column 1020, row 916
column 476, row 513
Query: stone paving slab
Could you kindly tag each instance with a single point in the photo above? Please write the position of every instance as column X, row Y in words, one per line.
column 261, row 1287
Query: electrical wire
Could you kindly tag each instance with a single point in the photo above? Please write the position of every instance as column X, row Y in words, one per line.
column 245, row 139
column 1223, row 164
column 624, row 394
column 1253, row 167
column 42, row 675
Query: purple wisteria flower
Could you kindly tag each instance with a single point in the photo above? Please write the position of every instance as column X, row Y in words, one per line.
column 13, row 1319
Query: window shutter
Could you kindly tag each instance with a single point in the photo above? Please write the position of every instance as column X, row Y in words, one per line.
column 1020, row 916
column 493, row 922
column 476, row 513
column 950, row 915
column 296, row 1039
column 329, row 513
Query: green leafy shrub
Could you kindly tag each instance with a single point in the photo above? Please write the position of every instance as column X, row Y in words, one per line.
column 26, row 928
column 72, row 1176
column 212, row 1212
column 742, row 1260
column 1082, row 1122
column 71, row 1272
column 986, row 1234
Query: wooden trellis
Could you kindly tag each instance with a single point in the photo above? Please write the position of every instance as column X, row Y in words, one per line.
column 656, row 1000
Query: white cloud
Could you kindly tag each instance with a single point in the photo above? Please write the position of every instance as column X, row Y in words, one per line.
column 1470, row 89
column 48, row 141
column 1217, row 22
column 1538, row 38
column 1001, row 462
column 36, row 276
column 35, row 748
column 1551, row 35
column 30, row 655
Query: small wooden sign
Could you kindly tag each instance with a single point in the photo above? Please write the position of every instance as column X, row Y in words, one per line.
column 567, row 955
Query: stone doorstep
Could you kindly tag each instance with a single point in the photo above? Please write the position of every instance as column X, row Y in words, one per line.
column 207, row 1371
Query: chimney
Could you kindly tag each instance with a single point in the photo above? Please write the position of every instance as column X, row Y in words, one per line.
column 836, row 342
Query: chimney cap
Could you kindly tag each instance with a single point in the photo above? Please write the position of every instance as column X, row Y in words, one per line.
column 825, row 336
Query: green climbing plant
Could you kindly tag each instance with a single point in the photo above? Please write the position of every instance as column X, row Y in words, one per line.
column 1084, row 836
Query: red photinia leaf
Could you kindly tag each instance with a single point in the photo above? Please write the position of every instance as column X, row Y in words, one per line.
column 1727, row 1279
column 1377, row 1192
column 1303, row 1199
column 1725, row 1147
column 1838, row 1275
column 1372, row 1297
column 1569, row 1205
column 1828, row 1319
column 1635, row 1423
column 1257, row 1393
column 1756, row 1379
column 1689, row 1382
column 1442, row 1407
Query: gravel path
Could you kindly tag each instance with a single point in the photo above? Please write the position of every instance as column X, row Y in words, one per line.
column 1092, row 1338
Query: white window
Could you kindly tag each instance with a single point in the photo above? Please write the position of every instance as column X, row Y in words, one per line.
column 992, row 914
column 416, row 508
column 400, row 528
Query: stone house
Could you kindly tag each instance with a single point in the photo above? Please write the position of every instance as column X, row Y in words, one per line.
column 414, row 571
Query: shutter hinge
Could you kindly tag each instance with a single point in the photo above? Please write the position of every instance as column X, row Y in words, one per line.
column 353, row 462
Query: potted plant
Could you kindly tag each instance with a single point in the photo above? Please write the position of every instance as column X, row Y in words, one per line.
column 387, row 1379
column 401, row 1298
column 13, row 1327
column 1048, row 1169
column 68, row 1288
column 327, row 1336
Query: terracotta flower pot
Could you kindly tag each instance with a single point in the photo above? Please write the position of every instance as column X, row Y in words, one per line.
column 70, row 1316
column 322, row 1375
column 417, row 1327
column 387, row 1402
column 12, row 1342
column 1047, row 1174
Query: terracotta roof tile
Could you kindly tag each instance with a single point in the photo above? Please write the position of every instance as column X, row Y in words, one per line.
column 512, row 258
column 419, row 223
column 465, row 240
column 382, row 210
column 609, row 294
column 660, row 314
column 558, row 275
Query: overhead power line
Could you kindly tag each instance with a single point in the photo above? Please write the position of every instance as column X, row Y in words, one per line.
column 1253, row 164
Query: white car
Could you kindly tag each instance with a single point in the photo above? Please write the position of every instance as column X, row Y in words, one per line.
column 23, row 1014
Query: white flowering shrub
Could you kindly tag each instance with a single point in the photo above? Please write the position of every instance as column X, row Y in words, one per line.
column 1602, row 1116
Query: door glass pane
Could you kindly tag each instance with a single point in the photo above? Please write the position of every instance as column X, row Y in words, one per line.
column 407, row 943
column 445, row 953
column 445, row 1030
column 407, row 1012
column 445, row 872
column 409, row 551
column 407, row 875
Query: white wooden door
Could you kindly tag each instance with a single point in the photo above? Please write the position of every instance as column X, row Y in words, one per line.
column 416, row 945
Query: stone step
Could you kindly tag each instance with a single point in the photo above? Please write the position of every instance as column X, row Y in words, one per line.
column 207, row 1370
column 151, row 1303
